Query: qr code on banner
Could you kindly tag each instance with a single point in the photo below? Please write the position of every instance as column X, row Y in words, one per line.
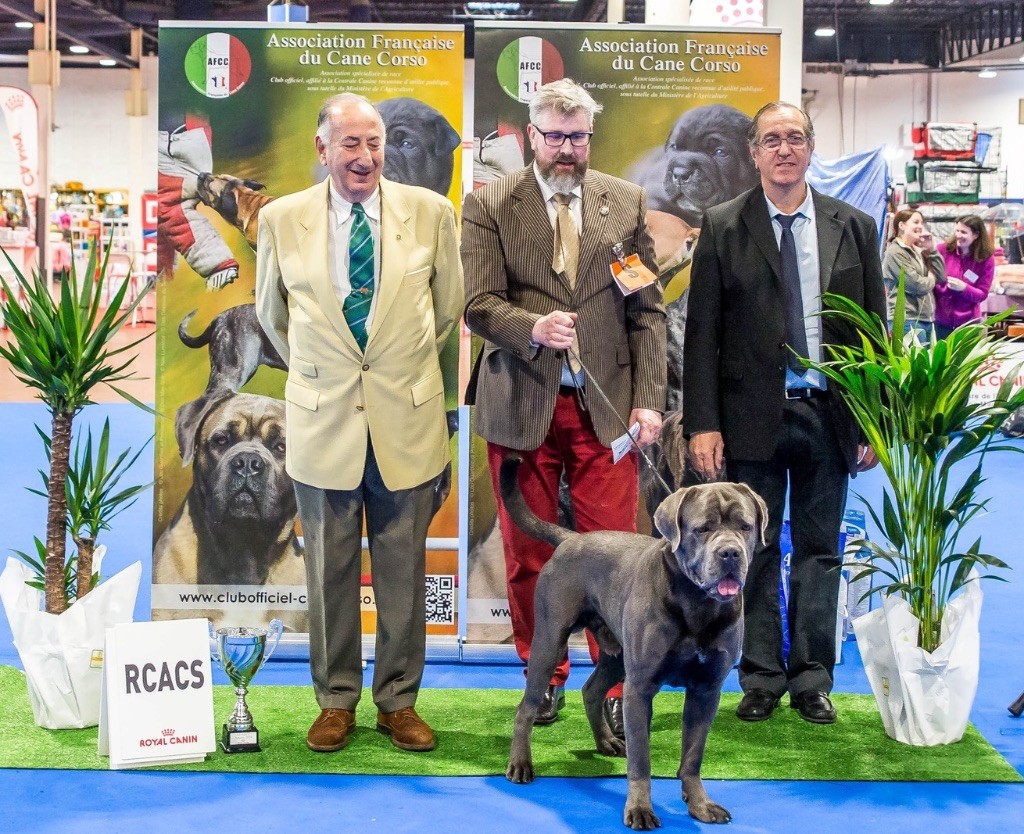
column 440, row 600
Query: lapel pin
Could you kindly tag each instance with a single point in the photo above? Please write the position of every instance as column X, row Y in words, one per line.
column 604, row 210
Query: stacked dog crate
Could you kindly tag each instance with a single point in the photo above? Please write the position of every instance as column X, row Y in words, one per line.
column 944, row 178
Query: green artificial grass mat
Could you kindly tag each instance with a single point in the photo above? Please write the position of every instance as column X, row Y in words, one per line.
column 474, row 727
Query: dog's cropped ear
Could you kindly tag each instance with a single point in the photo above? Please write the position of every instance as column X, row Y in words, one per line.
column 760, row 506
column 255, row 185
column 666, row 517
column 446, row 139
column 188, row 419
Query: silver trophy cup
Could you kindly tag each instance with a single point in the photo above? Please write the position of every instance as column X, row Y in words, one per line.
column 241, row 652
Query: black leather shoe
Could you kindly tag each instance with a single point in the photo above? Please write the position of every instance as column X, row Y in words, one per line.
column 554, row 700
column 814, row 706
column 757, row 705
column 613, row 715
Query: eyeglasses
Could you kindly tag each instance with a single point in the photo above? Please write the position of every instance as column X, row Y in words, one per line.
column 555, row 138
column 797, row 141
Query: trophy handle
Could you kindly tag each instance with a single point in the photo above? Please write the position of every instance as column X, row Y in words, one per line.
column 274, row 632
column 214, row 642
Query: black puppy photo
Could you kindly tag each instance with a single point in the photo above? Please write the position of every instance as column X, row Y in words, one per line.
column 663, row 611
column 420, row 143
column 705, row 161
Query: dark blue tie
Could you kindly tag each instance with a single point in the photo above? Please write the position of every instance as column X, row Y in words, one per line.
column 796, row 332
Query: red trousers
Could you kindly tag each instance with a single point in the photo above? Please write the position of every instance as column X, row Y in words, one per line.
column 604, row 497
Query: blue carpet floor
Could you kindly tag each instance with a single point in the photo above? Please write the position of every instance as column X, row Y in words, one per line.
column 164, row 803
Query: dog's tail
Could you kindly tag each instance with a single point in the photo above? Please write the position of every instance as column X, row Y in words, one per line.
column 525, row 519
column 202, row 340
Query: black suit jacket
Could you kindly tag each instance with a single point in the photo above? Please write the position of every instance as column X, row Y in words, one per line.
column 734, row 354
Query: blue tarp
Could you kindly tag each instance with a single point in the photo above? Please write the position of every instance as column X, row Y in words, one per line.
column 860, row 179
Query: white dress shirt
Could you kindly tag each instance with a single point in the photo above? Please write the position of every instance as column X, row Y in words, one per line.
column 339, row 227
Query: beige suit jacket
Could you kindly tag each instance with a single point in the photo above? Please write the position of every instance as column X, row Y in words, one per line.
column 337, row 397
column 507, row 244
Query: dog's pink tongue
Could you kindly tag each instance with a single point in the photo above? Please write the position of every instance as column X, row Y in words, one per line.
column 728, row 587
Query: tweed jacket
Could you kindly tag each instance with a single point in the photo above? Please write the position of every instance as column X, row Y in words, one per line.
column 507, row 246
column 337, row 397
column 734, row 352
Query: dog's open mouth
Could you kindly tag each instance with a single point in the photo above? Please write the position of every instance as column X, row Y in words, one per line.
column 728, row 587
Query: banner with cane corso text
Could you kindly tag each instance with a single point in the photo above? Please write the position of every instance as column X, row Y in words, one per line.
column 238, row 110
column 677, row 105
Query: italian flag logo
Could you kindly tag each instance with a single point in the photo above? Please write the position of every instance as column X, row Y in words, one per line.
column 217, row 65
column 526, row 64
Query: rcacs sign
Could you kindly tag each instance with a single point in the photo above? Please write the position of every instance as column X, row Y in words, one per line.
column 157, row 694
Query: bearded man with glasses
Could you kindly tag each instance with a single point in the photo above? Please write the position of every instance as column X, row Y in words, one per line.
column 537, row 247
column 749, row 402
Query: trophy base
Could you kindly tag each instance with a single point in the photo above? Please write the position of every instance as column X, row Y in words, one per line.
column 240, row 741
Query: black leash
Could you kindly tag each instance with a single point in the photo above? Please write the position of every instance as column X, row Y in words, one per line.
column 611, row 408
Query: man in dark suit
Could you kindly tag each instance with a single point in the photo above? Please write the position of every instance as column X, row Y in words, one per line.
column 536, row 250
column 759, row 269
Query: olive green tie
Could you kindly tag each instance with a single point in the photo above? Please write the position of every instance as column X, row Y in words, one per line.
column 566, row 257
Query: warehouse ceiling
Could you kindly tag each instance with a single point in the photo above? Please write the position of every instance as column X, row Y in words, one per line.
column 934, row 33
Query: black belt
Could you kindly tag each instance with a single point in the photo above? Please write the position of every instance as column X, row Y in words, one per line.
column 568, row 390
column 804, row 393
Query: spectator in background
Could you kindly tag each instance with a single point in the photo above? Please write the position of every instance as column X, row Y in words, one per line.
column 970, row 267
column 912, row 251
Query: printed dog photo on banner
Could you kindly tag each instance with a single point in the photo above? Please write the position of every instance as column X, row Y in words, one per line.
column 676, row 109
column 227, row 543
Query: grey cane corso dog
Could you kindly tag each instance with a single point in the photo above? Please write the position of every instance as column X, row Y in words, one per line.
column 663, row 611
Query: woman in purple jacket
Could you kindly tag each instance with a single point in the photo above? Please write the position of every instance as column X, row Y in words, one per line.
column 969, row 270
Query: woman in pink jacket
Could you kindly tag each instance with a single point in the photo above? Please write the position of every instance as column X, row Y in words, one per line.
column 969, row 270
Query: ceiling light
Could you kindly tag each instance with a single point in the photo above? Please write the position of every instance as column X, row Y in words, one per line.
column 78, row 49
column 23, row 24
column 987, row 73
column 108, row 62
column 825, row 32
column 880, row 2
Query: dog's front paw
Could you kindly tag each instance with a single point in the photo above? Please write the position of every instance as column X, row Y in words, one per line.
column 611, row 746
column 641, row 817
column 520, row 772
column 708, row 811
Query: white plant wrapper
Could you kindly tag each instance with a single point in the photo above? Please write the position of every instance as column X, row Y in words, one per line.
column 925, row 698
column 57, row 649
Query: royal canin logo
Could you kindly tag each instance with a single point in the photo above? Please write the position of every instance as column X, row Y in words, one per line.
column 168, row 736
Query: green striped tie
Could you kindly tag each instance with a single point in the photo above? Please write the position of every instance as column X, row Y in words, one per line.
column 360, row 275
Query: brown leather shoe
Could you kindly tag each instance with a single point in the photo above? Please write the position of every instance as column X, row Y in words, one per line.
column 331, row 730
column 407, row 730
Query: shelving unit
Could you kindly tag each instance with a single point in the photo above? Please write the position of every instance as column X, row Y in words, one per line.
column 97, row 216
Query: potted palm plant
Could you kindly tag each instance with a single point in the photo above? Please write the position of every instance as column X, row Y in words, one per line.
column 913, row 404
column 61, row 345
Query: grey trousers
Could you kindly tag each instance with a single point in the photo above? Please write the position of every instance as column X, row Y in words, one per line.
column 396, row 525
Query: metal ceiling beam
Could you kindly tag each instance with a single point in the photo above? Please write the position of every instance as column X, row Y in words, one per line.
column 982, row 30
column 26, row 12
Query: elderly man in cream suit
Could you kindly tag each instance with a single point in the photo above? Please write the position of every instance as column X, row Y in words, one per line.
column 358, row 285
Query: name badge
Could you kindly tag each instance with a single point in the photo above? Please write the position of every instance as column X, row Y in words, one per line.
column 629, row 273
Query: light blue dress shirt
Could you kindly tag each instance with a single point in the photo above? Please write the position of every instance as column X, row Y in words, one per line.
column 805, row 235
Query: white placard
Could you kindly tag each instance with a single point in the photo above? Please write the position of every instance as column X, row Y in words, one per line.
column 157, row 700
column 1008, row 359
